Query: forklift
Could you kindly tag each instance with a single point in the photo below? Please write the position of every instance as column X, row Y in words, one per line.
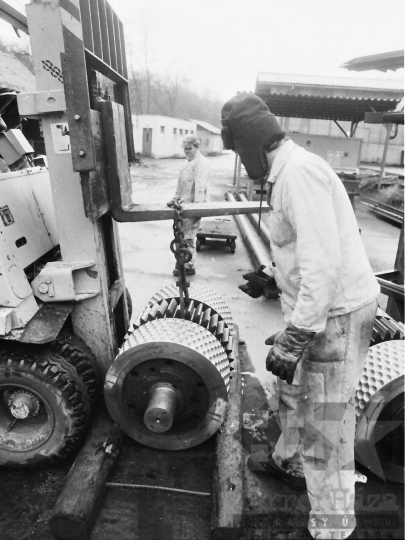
column 64, row 308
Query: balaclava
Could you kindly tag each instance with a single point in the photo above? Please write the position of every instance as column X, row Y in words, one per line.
column 248, row 128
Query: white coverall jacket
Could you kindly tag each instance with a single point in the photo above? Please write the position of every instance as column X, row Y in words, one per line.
column 193, row 186
column 328, row 287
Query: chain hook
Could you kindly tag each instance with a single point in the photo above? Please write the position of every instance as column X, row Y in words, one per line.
column 182, row 254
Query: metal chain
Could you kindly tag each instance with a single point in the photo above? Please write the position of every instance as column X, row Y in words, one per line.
column 182, row 254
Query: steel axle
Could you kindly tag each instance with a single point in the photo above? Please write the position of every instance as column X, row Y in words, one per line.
column 161, row 408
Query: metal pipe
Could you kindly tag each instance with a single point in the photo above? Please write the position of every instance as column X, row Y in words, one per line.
column 159, row 488
column 254, row 218
column 159, row 414
column 254, row 243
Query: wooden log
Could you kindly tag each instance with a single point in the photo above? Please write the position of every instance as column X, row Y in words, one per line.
column 228, row 471
column 78, row 504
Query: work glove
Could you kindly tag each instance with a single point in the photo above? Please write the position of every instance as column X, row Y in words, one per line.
column 259, row 283
column 287, row 350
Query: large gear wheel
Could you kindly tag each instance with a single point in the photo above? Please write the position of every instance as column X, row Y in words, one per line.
column 168, row 386
column 380, row 411
column 206, row 308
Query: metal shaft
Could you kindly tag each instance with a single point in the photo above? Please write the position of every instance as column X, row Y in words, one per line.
column 254, row 243
column 159, row 414
column 254, row 218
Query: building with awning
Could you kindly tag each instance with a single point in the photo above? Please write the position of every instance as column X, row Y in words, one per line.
column 334, row 106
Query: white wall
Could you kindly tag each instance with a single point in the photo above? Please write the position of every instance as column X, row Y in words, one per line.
column 373, row 136
column 210, row 142
column 165, row 143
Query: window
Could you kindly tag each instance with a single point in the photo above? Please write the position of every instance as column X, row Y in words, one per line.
column 174, row 131
column 192, row 132
column 186, row 132
column 162, row 129
column 181, row 132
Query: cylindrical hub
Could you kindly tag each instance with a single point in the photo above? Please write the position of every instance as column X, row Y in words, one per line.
column 161, row 408
column 22, row 405
column 168, row 387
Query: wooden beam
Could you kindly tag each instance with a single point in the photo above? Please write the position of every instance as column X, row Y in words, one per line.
column 78, row 504
column 228, row 472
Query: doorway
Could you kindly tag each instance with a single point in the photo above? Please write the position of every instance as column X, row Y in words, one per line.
column 147, row 142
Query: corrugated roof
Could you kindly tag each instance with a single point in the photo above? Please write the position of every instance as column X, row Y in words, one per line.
column 207, row 126
column 335, row 81
column 392, row 61
column 14, row 75
column 345, row 109
column 328, row 98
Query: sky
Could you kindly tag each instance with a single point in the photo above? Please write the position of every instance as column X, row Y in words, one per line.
column 221, row 45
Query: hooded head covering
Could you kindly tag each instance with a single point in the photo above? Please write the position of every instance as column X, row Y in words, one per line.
column 248, row 128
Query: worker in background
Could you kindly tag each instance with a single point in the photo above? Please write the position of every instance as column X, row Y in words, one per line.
column 328, row 297
column 192, row 187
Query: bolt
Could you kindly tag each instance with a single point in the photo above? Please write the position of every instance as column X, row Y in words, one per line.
column 77, row 116
column 82, row 153
column 43, row 288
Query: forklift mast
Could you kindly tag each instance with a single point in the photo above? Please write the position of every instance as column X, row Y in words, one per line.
column 72, row 44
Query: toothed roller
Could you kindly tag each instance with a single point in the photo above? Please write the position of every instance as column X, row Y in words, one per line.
column 205, row 308
column 200, row 295
column 168, row 386
column 380, row 411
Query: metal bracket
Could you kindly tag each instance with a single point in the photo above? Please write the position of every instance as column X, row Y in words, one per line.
column 36, row 103
column 63, row 281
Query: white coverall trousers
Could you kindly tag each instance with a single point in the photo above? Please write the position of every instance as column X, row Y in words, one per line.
column 317, row 414
column 190, row 229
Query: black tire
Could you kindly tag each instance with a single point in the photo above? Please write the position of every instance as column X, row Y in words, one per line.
column 233, row 246
column 75, row 351
column 60, row 422
column 198, row 244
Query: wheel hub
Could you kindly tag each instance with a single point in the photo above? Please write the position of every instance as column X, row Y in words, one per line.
column 23, row 404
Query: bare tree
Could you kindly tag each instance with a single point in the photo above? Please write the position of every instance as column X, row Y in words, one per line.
column 173, row 83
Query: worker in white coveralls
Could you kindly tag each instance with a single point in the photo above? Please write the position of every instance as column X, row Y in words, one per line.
column 328, row 296
column 192, row 187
